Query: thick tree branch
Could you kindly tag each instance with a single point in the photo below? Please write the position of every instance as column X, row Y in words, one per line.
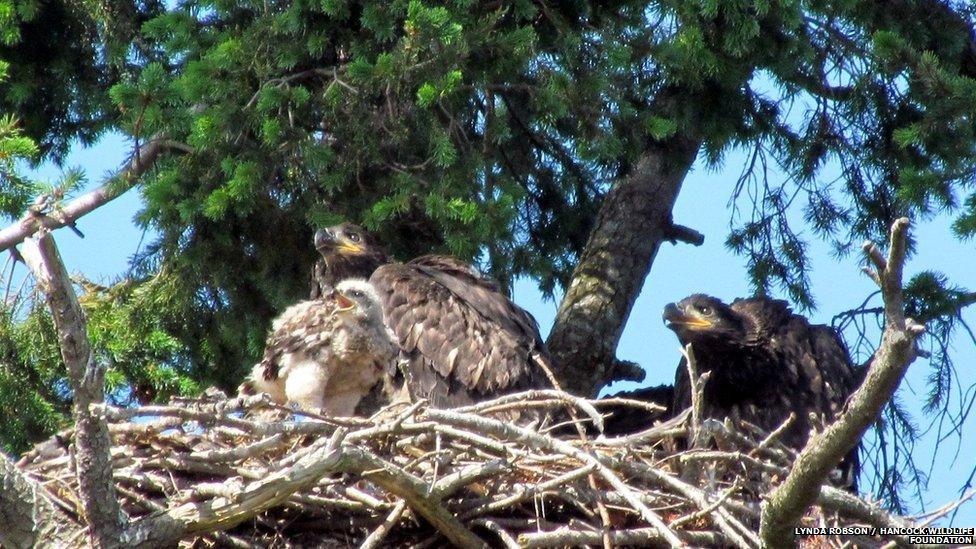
column 141, row 160
column 787, row 503
column 634, row 218
column 87, row 380
column 675, row 233
column 27, row 517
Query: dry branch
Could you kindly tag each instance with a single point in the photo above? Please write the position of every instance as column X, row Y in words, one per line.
column 536, row 440
column 87, row 380
column 824, row 451
column 377, row 536
column 141, row 160
column 222, row 512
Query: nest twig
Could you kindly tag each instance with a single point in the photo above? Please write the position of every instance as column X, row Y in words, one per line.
column 240, row 472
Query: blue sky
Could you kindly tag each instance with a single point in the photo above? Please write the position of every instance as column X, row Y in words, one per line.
column 679, row 270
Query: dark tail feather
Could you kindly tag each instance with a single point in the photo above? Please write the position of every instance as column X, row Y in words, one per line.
column 625, row 419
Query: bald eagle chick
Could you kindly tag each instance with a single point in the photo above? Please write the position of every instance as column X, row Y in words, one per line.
column 326, row 354
column 765, row 364
column 461, row 339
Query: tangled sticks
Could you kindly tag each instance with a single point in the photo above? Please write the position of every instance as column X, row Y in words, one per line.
column 242, row 473
column 245, row 473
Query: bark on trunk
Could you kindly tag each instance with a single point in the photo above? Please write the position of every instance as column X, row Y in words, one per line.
column 633, row 220
column 27, row 517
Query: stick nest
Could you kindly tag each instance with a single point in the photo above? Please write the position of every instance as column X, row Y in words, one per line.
column 242, row 472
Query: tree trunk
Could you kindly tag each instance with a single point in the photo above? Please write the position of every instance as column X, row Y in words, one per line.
column 633, row 220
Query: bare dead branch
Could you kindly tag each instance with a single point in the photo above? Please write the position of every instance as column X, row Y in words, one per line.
column 697, row 382
column 787, row 503
column 507, row 540
column 87, row 380
column 143, row 158
column 666, row 429
column 164, row 529
column 534, row 439
column 413, row 491
column 840, row 500
column 637, row 537
column 377, row 536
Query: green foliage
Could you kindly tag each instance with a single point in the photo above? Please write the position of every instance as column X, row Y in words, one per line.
column 492, row 132
column 16, row 192
column 128, row 328
column 33, row 395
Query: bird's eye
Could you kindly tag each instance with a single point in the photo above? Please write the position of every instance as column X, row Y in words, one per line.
column 705, row 310
column 357, row 293
column 354, row 237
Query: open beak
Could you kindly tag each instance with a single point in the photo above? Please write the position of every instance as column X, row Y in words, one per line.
column 673, row 316
column 345, row 304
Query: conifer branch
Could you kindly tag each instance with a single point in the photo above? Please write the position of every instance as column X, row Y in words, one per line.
column 787, row 503
column 87, row 380
column 143, row 158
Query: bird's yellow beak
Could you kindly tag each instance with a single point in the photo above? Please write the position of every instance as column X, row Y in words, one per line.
column 345, row 304
column 674, row 316
column 696, row 323
column 347, row 247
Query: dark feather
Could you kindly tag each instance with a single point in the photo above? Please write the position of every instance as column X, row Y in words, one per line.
column 463, row 340
column 765, row 363
column 630, row 419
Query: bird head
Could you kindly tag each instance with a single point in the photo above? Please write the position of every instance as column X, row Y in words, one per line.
column 350, row 250
column 344, row 303
column 357, row 296
column 700, row 317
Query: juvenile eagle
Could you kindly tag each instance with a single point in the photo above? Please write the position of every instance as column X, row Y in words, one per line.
column 461, row 338
column 765, row 363
column 327, row 353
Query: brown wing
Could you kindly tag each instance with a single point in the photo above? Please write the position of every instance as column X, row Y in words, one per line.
column 467, row 339
column 304, row 326
column 817, row 372
column 482, row 294
column 457, row 269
